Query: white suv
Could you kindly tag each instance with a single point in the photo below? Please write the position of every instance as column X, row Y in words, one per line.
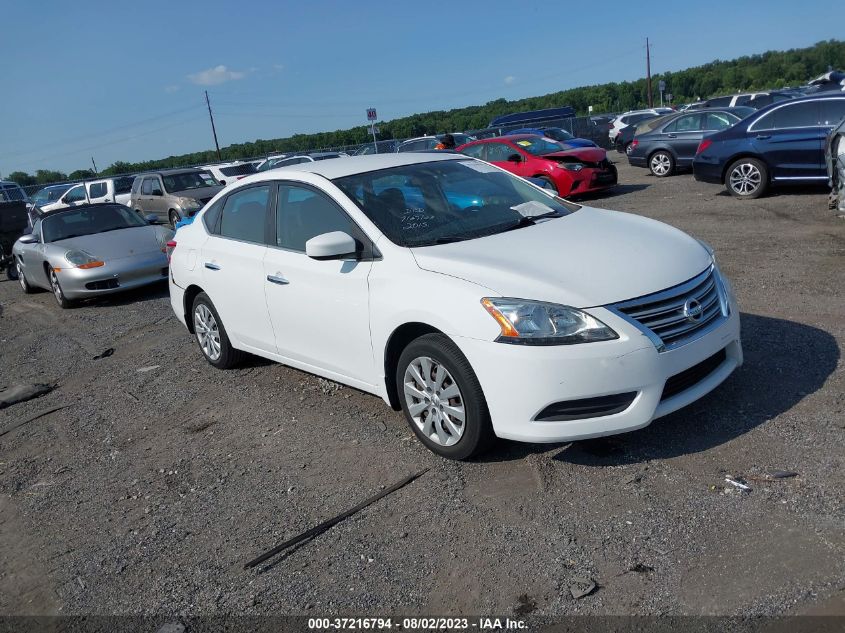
column 478, row 303
column 632, row 118
column 227, row 173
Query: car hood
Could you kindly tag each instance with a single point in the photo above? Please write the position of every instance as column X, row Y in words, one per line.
column 114, row 244
column 589, row 258
column 203, row 193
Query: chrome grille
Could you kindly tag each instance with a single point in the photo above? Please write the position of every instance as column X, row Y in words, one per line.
column 680, row 314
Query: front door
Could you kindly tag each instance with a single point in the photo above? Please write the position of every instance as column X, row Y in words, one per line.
column 319, row 309
column 500, row 154
column 791, row 138
column 233, row 268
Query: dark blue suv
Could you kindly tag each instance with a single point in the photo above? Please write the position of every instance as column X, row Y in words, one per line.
column 781, row 143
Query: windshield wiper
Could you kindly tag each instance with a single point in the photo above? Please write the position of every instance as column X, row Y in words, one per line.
column 450, row 239
column 530, row 220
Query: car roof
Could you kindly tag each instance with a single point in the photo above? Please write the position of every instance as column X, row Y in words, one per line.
column 809, row 98
column 172, row 170
column 78, row 207
column 351, row 165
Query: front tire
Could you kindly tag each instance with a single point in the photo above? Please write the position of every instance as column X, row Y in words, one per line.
column 661, row 164
column 173, row 217
column 549, row 184
column 27, row 289
column 211, row 335
column 58, row 293
column 747, row 178
column 442, row 398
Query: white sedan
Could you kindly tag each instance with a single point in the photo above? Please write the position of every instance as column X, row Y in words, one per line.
column 479, row 304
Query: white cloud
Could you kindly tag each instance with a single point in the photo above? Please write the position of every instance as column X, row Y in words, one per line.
column 510, row 79
column 217, row 75
column 278, row 66
column 173, row 88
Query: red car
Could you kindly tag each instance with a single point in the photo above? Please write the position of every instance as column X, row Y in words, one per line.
column 571, row 171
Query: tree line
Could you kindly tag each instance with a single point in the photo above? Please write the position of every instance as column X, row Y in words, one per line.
column 773, row 69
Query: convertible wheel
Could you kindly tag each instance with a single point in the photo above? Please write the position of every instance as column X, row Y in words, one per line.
column 63, row 301
column 174, row 218
column 22, row 278
column 442, row 398
column 211, row 335
column 661, row 164
column 747, row 178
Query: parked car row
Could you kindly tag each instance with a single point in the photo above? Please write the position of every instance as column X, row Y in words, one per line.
column 744, row 149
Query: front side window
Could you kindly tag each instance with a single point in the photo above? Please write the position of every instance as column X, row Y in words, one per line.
column 499, row 152
column 147, row 188
column 303, row 213
column 77, row 194
column 832, row 111
column 458, row 200
column 476, row 151
column 245, row 213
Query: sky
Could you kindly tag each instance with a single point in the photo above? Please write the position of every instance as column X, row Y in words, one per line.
column 126, row 81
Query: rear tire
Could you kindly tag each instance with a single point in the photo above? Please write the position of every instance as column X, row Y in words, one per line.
column 550, row 185
column 747, row 178
column 661, row 164
column 211, row 335
column 437, row 386
column 173, row 217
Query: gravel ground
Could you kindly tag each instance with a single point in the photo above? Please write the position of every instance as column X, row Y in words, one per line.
column 163, row 476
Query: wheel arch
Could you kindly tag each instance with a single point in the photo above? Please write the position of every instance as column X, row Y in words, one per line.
column 398, row 340
column 191, row 293
column 746, row 154
column 662, row 148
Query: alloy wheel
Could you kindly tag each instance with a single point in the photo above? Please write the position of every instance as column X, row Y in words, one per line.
column 745, row 178
column 208, row 333
column 434, row 401
column 21, row 279
column 660, row 164
column 57, row 289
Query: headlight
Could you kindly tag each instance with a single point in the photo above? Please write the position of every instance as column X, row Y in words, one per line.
column 189, row 203
column 571, row 166
column 81, row 259
column 526, row 322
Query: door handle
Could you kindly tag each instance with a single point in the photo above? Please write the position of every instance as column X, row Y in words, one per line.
column 211, row 266
column 670, row 135
column 763, row 137
column 274, row 279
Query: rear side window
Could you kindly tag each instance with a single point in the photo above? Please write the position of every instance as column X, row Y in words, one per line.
column 303, row 213
column 476, row 151
column 832, row 111
column 97, row 189
column 245, row 214
column 123, row 185
column 794, row 115
column 211, row 217
column 718, row 121
column 689, row 123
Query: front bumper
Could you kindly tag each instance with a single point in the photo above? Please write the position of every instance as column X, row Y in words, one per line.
column 519, row 382
column 115, row 275
column 590, row 179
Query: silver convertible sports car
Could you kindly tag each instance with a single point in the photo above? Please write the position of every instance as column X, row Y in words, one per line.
column 91, row 250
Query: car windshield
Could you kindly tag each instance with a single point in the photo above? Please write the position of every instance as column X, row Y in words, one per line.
column 49, row 194
column 538, row 145
column 189, row 180
column 88, row 221
column 448, row 201
column 558, row 134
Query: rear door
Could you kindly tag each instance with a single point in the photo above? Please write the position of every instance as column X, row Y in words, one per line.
column 232, row 260
column 683, row 135
column 100, row 191
column 790, row 139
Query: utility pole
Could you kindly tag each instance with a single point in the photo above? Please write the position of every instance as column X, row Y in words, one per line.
column 213, row 130
column 95, row 166
column 647, row 73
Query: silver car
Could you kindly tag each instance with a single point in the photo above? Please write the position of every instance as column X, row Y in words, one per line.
column 91, row 250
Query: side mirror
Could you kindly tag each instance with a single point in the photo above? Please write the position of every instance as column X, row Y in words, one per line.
column 152, row 218
column 514, row 158
column 334, row 245
column 64, row 200
column 28, row 238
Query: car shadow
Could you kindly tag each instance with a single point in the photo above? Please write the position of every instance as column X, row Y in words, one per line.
column 789, row 190
column 157, row 290
column 785, row 362
column 618, row 190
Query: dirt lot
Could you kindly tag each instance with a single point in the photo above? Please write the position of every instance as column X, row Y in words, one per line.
column 163, row 476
